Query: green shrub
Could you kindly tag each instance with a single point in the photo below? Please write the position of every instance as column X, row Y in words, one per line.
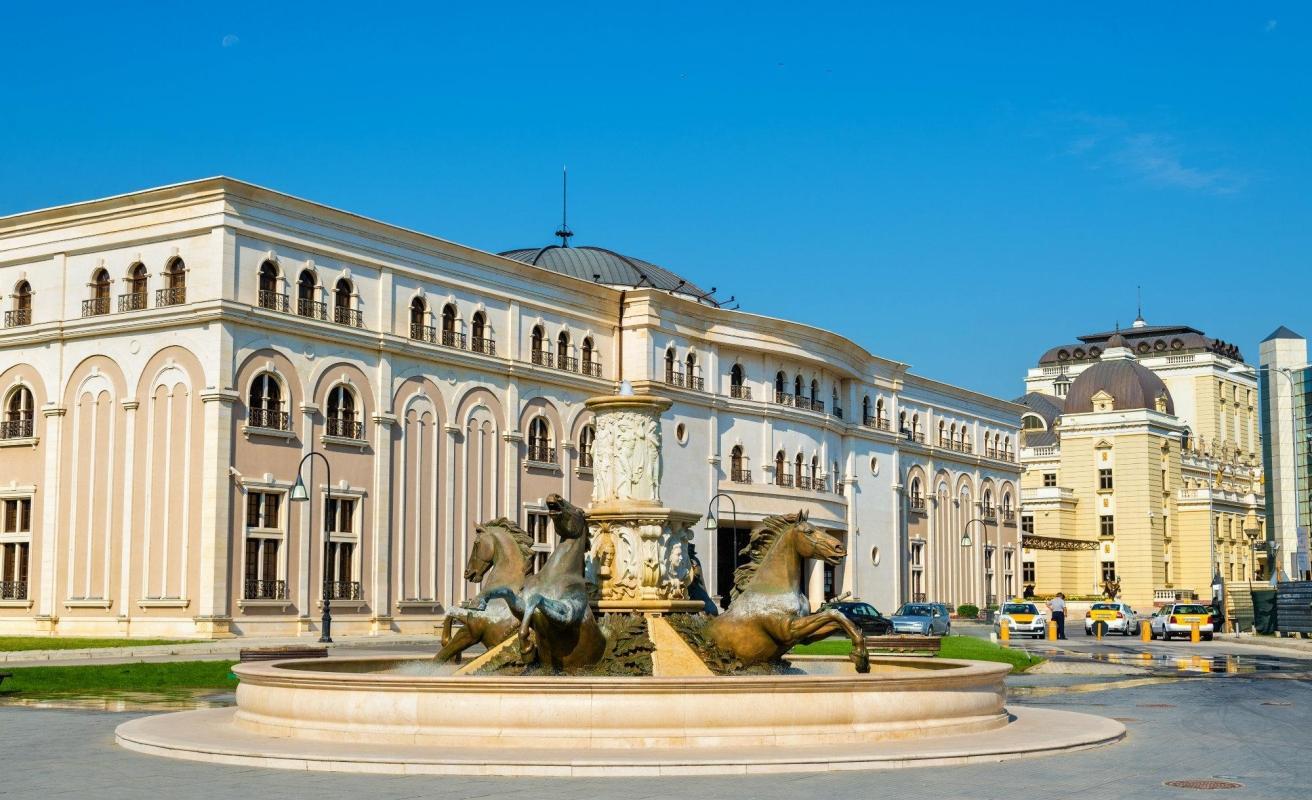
column 968, row 611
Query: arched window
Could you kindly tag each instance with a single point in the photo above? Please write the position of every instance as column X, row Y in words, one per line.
column 18, row 422
column 798, row 390
column 917, row 494
column 943, row 439
column 98, row 303
column 815, row 474
column 866, row 419
column 22, row 311
column 270, row 297
column 563, row 358
column 781, row 476
column 588, row 357
column 342, row 416
column 539, row 442
column 799, row 469
column 175, row 284
column 838, row 483
column 480, row 336
column 451, row 337
column 815, row 395
column 915, row 427
column 586, row 437
column 738, row 472
column 902, row 422
column 1006, row 505
column 965, row 443
column 306, row 305
column 986, row 504
column 670, row 372
column 736, row 387
column 692, row 371
column 780, row 387
column 344, row 311
column 1006, row 448
column 879, row 413
column 264, row 406
column 419, row 327
column 135, row 299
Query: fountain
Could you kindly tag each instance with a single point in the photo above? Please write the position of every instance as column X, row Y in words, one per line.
column 604, row 663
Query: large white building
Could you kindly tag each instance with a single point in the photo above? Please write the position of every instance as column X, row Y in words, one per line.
column 169, row 356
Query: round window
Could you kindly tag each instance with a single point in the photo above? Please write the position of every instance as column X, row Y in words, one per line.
column 874, row 556
column 681, row 433
column 874, row 465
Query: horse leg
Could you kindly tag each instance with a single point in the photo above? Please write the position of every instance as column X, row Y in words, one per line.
column 452, row 649
column 512, row 599
column 816, row 626
column 446, row 626
column 526, row 646
column 556, row 611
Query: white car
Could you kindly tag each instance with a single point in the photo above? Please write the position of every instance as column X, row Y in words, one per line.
column 1022, row 619
column 1118, row 617
column 1178, row 619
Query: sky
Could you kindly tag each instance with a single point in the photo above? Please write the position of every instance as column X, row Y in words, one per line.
column 958, row 186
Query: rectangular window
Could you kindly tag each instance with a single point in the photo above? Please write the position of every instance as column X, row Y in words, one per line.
column 1104, row 479
column 917, row 553
column 1106, row 525
column 262, row 510
column 264, row 538
column 1108, row 571
column 1027, row 572
column 341, row 514
column 13, row 570
column 1027, row 523
column 539, row 527
column 17, row 515
column 1049, row 479
column 340, row 580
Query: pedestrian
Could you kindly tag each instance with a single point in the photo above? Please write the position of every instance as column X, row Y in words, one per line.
column 1057, row 606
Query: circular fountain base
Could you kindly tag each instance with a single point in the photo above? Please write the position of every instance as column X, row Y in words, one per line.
column 368, row 715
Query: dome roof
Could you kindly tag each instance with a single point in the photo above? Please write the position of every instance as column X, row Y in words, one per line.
column 614, row 269
column 1131, row 385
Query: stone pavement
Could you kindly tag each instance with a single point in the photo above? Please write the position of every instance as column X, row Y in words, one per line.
column 1251, row 730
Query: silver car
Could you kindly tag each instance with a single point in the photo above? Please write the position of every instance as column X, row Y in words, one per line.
column 926, row 619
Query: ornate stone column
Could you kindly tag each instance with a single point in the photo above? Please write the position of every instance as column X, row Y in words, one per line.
column 639, row 559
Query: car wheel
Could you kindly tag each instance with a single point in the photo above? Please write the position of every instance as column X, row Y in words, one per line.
column 1207, row 637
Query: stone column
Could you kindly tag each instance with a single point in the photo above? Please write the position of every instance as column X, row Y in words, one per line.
column 815, row 582
column 383, row 532
column 46, row 616
column 449, row 517
column 214, row 615
column 312, row 508
column 125, row 570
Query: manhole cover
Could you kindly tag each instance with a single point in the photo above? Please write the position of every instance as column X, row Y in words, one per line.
column 1206, row 783
column 1277, row 703
column 1155, row 705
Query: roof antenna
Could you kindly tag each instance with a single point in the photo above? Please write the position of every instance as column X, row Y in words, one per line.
column 564, row 233
column 1139, row 320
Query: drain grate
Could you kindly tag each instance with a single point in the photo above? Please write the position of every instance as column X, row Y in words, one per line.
column 1155, row 705
column 1206, row 783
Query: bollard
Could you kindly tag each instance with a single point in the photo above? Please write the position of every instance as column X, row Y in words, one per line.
column 1052, row 631
column 1004, row 634
column 1194, row 635
column 1145, row 632
column 1098, row 628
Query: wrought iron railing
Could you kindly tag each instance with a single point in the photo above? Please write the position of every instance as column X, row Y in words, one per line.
column 673, row 378
column 423, row 333
column 173, row 296
column 585, row 459
column 480, row 344
column 265, row 590
column 1008, row 515
column 917, row 503
column 95, row 307
column 740, row 475
column 542, row 358
column 352, row 317
column 345, row 428
column 13, row 590
column 342, row 590
column 783, row 479
column 696, row 382
column 988, row 514
column 740, row 391
column 18, row 317
column 132, row 301
column 453, row 339
column 274, row 301
column 312, row 309
column 592, row 368
column 269, row 419
column 567, row 363
column 817, row 405
column 783, row 398
column 541, row 454
column 803, row 481
column 16, row 429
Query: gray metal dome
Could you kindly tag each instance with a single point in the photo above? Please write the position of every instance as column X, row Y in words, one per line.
column 613, row 269
column 1131, row 385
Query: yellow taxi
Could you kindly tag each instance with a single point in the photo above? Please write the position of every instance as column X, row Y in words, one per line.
column 1177, row 619
column 1116, row 617
column 1022, row 619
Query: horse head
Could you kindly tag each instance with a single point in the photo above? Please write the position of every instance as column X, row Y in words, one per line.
column 484, row 554
column 811, row 542
column 570, row 521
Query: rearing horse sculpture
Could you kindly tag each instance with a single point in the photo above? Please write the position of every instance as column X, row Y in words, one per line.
column 768, row 616
column 502, row 554
column 556, row 626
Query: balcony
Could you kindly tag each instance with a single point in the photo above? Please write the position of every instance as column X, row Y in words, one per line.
column 265, row 590
column 95, row 307
column 804, row 481
column 133, row 301
column 453, row 339
column 988, row 514
column 18, row 317
column 740, row 475
column 479, row 344
column 917, row 504
column 342, row 590
column 344, row 428
column 542, row 358
column 914, row 436
column 174, row 296
column 17, row 429
column 783, row 479
column 541, row 454
column 592, row 368
column 783, row 398
column 351, row 317
column 13, row 590
column 423, row 333
column 1008, row 516
column 1000, row 455
column 878, row 423
column 312, row 309
column 585, row 459
column 269, row 419
column 674, row 378
column 567, row 363
column 274, row 301
column 740, row 392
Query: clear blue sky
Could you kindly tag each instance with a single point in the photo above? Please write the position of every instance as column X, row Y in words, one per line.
column 958, row 188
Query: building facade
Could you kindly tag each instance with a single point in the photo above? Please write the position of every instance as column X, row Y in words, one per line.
column 1285, row 380
column 1140, row 450
column 170, row 356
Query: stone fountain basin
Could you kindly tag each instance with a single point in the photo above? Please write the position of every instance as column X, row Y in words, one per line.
column 373, row 701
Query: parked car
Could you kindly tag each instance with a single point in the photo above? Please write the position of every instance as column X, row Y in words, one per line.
column 1118, row 617
column 926, row 619
column 866, row 617
column 1022, row 619
column 1177, row 619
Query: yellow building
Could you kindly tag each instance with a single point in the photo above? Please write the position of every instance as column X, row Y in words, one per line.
column 1141, row 464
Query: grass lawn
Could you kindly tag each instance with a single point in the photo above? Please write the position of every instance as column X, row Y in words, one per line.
column 967, row 647
column 12, row 643
column 139, row 677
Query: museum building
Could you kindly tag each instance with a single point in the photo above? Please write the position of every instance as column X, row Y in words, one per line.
column 168, row 358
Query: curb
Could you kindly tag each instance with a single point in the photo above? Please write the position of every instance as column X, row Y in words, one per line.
column 231, row 647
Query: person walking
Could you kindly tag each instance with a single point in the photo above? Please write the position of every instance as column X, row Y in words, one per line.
column 1057, row 606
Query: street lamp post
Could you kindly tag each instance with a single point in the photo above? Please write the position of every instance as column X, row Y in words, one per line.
column 965, row 542
column 713, row 524
column 299, row 494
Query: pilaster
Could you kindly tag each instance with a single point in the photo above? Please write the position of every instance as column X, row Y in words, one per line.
column 215, row 510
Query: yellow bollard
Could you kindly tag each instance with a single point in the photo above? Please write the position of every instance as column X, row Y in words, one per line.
column 1194, row 635
column 1145, row 632
column 1052, row 631
column 1097, row 630
column 1004, row 634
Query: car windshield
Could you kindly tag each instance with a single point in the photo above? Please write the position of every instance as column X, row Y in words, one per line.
column 915, row 611
column 1019, row 608
column 1105, row 607
column 1192, row 610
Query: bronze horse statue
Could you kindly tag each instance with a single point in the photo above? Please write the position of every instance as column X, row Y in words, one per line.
column 502, row 554
column 768, row 615
column 556, row 626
